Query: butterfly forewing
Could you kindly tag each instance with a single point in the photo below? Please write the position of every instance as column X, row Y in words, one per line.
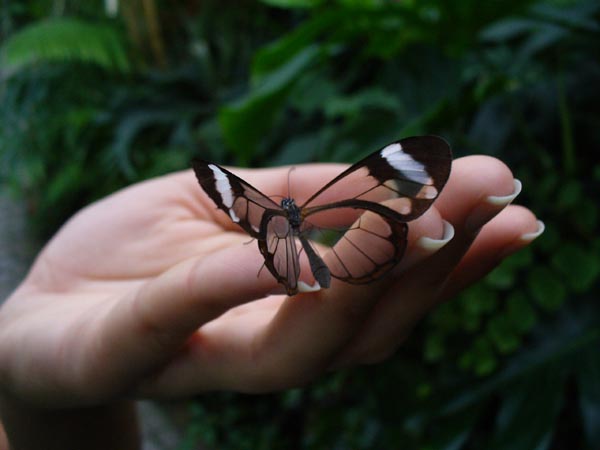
column 244, row 204
column 413, row 170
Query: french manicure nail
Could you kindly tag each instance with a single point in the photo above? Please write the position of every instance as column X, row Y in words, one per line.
column 490, row 207
column 528, row 237
column 524, row 239
column 504, row 200
column 304, row 287
column 432, row 245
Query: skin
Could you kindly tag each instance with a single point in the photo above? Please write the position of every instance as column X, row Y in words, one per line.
column 153, row 293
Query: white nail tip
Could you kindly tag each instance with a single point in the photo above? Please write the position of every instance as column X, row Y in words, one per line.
column 303, row 287
column 431, row 244
column 528, row 237
column 503, row 200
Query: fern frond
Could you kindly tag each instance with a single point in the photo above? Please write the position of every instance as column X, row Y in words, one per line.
column 64, row 40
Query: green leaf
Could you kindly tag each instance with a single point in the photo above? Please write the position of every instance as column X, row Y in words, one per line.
column 64, row 39
column 501, row 333
column 502, row 277
column 529, row 409
column 579, row 266
column 576, row 14
column 545, row 37
column 322, row 90
column 521, row 259
column 485, row 364
column 66, row 184
column 434, row 347
column 246, row 122
column 520, row 313
column 273, row 56
column 482, row 359
column 548, row 291
column 508, row 29
column 369, row 98
column 300, row 149
column 478, row 300
column 131, row 126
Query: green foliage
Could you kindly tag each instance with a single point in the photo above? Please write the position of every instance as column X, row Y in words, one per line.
column 510, row 364
column 64, row 40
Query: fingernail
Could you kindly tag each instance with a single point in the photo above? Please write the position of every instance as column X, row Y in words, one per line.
column 433, row 245
column 504, row 200
column 528, row 237
column 304, row 287
column 492, row 205
column 524, row 239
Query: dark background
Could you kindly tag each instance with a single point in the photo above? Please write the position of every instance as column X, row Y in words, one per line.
column 93, row 99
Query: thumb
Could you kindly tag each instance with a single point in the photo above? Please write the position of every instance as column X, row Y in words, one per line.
column 147, row 327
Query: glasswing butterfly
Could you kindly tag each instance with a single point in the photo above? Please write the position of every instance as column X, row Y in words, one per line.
column 362, row 214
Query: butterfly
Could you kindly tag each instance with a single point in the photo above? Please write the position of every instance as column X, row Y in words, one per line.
column 361, row 215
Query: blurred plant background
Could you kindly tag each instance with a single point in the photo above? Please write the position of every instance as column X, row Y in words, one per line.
column 97, row 95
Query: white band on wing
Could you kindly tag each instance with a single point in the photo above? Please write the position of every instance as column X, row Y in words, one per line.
column 224, row 189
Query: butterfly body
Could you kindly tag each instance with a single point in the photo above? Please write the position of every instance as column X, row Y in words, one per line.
column 294, row 215
column 364, row 211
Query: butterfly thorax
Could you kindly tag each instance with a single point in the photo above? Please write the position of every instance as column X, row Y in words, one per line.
column 293, row 213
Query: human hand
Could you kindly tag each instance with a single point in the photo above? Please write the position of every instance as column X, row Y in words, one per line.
column 154, row 292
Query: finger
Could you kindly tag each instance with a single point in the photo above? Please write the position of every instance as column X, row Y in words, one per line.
column 479, row 188
column 514, row 228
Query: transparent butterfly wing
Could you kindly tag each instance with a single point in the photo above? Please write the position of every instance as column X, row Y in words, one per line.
column 412, row 170
column 280, row 250
column 362, row 251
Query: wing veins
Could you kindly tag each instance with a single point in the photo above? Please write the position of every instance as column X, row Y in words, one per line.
column 341, row 262
column 361, row 252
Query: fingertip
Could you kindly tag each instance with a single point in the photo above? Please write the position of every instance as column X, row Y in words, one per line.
column 479, row 187
column 432, row 245
column 530, row 236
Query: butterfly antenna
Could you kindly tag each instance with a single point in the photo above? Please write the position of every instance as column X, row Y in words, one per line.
column 288, row 180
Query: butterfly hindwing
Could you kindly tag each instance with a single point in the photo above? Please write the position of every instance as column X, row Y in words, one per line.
column 369, row 245
column 280, row 251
